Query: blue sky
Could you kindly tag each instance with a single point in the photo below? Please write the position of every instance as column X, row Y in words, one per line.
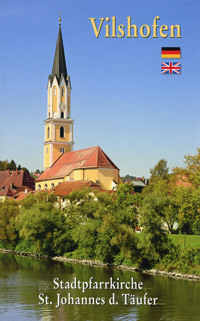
column 120, row 100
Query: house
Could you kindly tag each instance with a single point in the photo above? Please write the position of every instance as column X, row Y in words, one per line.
column 7, row 192
column 66, row 188
column 13, row 182
column 139, row 183
column 90, row 164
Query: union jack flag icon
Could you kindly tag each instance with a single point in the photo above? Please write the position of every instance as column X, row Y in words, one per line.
column 170, row 68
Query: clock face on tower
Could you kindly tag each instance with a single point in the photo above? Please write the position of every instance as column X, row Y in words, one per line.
column 62, row 106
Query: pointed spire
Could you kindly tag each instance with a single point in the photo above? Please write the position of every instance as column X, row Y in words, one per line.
column 59, row 64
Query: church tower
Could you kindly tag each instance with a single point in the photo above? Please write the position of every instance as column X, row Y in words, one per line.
column 58, row 125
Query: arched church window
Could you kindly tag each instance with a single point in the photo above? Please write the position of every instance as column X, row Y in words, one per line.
column 49, row 115
column 52, row 185
column 62, row 114
column 39, row 187
column 62, row 132
column 48, row 134
column 62, row 92
column 45, row 186
column 54, row 91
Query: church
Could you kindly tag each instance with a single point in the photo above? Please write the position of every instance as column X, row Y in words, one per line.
column 61, row 163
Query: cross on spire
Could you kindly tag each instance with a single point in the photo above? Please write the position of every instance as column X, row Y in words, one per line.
column 59, row 18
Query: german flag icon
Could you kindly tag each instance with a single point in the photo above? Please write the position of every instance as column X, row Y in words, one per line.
column 170, row 52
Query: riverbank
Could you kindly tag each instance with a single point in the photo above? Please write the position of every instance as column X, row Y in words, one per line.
column 173, row 274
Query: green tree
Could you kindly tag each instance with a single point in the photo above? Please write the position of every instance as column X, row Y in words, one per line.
column 25, row 170
column 99, row 226
column 128, row 178
column 165, row 200
column 3, row 165
column 9, row 210
column 44, row 226
column 188, row 209
column 127, row 204
column 125, row 194
column 37, row 171
column 192, row 168
column 12, row 165
column 160, row 170
column 156, row 242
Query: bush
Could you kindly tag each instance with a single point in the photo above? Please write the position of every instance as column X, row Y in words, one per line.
column 68, row 255
column 128, row 262
column 25, row 246
column 119, row 259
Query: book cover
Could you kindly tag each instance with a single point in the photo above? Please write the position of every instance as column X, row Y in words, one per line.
column 118, row 83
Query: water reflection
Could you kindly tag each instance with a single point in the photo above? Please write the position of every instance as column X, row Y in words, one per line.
column 23, row 279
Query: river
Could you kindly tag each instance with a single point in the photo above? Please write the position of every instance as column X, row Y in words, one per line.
column 31, row 290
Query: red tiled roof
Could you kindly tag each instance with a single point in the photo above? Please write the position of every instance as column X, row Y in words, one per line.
column 86, row 158
column 17, row 178
column 182, row 180
column 7, row 191
column 21, row 195
column 62, row 189
column 65, row 188
column 3, row 177
column 23, row 189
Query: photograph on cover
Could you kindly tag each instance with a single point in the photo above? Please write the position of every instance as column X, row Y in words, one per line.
column 100, row 160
